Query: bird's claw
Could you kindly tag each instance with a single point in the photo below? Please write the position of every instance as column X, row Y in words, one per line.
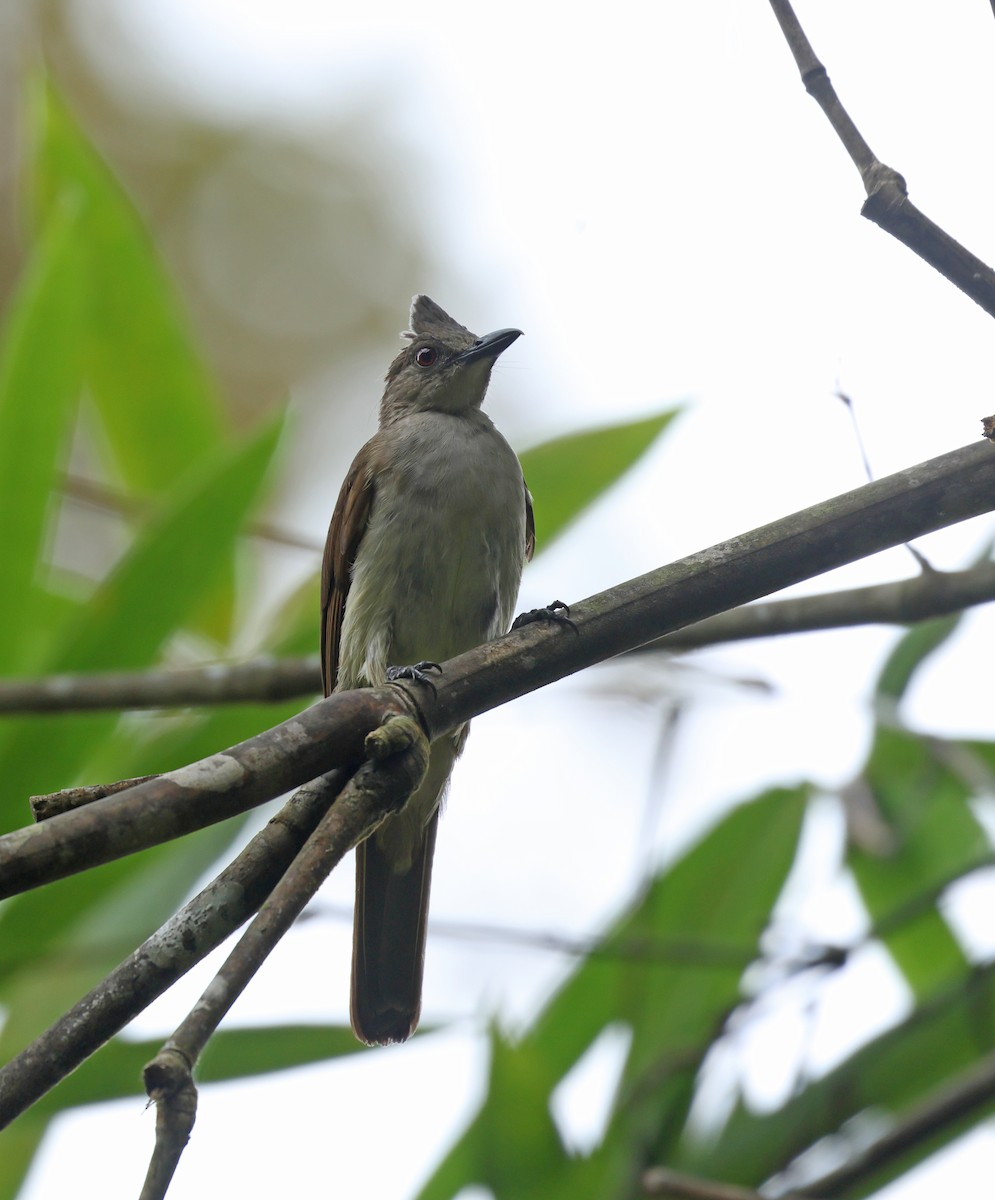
column 415, row 673
column 557, row 612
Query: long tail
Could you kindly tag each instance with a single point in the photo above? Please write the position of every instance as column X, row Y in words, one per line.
column 389, row 940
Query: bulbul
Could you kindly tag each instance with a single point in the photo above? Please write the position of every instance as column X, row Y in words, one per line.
column 423, row 560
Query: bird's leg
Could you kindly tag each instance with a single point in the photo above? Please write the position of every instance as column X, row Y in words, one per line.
column 557, row 612
column 415, row 673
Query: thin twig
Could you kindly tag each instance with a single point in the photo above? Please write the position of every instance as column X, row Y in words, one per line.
column 43, row 808
column 955, row 1104
column 887, row 203
column 922, row 598
column 264, row 679
column 662, row 1181
column 398, row 760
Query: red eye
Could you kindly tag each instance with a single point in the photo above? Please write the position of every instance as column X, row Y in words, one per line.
column 426, row 356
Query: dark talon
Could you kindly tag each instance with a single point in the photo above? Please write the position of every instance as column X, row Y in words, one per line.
column 558, row 612
column 415, row 673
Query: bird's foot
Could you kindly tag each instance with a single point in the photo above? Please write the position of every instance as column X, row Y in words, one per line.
column 415, row 673
column 557, row 612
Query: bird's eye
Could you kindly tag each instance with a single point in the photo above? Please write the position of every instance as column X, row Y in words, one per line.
column 426, row 356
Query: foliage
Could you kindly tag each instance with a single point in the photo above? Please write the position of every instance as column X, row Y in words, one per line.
column 95, row 316
column 723, row 894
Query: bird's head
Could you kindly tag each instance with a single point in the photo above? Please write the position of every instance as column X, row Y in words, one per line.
column 444, row 367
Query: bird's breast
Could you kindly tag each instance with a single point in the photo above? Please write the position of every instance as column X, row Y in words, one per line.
column 438, row 569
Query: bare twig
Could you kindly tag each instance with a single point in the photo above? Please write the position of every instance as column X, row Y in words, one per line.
column 330, row 734
column 932, row 594
column 398, row 760
column 662, row 1181
column 262, row 679
column 955, row 1104
column 186, row 938
column 887, row 203
column 53, row 803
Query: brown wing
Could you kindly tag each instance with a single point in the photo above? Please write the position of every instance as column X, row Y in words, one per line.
column 530, row 526
column 349, row 521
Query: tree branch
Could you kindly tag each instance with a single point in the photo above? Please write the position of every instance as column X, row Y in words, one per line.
column 887, row 203
column 952, row 1105
column 662, row 1181
column 398, row 759
column 327, row 735
column 330, row 734
column 186, row 938
column 929, row 595
column 932, row 594
column 261, row 679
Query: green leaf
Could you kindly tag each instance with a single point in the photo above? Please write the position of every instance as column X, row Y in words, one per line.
column 670, row 970
column 936, row 837
column 158, row 405
column 18, row 1146
column 172, row 562
column 170, row 566
column 891, row 1075
column 911, row 651
column 569, row 473
column 39, row 380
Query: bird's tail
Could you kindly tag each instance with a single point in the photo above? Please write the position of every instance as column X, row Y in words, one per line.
column 388, row 954
column 393, row 878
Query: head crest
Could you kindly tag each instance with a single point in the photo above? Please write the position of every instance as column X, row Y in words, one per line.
column 429, row 320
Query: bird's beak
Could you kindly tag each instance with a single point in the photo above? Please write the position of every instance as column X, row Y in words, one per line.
column 490, row 345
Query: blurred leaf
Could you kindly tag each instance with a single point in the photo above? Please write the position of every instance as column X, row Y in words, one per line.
column 569, row 473
column 670, row 970
column 39, row 380
column 936, row 838
column 917, row 644
column 158, row 405
column 138, row 607
column 20, row 1142
column 890, row 1075
column 173, row 560
column 115, row 1071
column 911, row 652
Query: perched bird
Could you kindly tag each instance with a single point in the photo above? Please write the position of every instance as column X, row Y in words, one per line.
column 423, row 560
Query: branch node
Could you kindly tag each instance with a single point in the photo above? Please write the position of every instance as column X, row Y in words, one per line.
column 169, row 1085
column 396, row 735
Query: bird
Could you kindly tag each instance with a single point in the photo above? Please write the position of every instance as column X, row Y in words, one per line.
column 423, row 561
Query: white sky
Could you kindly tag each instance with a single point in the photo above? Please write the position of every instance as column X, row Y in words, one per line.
column 647, row 191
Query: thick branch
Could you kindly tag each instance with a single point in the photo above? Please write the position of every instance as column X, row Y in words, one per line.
column 878, row 515
column 887, row 203
column 885, row 513
column 319, row 739
column 931, row 594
